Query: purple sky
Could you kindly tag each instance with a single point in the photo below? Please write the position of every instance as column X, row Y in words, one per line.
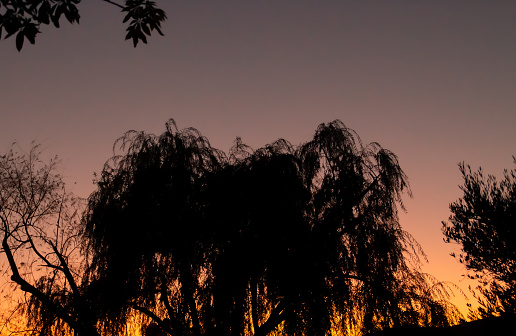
column 433, row 81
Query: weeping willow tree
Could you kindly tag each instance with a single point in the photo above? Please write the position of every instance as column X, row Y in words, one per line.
column 290, row 240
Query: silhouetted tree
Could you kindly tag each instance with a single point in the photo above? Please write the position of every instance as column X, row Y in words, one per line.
column 40, row 241
column 147, row 230
column 24, row 17
column 483, row 222
column 295, row 240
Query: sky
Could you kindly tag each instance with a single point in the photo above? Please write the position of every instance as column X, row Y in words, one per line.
column 432, row 81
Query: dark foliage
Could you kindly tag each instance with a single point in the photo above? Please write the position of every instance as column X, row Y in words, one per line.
column 144, row 17
column 296, row 240
column 23, row 18
column 483, row 222
column 488, row 326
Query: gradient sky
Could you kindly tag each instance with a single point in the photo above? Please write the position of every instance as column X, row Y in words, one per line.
column 433, row 81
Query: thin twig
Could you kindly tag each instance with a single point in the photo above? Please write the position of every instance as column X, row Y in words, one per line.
column 114, row 3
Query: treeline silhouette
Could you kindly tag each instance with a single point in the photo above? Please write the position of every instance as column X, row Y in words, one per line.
column 491, row 325
column 282, row 240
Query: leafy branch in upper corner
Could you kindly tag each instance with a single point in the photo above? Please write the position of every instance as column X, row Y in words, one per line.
column 23, row 18
column 145, row 17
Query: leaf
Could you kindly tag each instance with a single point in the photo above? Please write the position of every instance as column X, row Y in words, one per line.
column 131, row 34
column 146, row 29
column 69, row 16
column 141, row 36
column 11, row 24
column 71, row 13
column 44, row 13
column 127, row 17
column 58, row 10
column 31, row 30
column 19, row 40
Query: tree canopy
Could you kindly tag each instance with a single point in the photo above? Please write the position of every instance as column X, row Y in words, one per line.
column 39, row 229
column 483, row 222
column 23, row 18
column 285, row 239
column 181, row 238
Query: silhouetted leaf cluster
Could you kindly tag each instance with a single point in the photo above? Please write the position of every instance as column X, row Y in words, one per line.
column 483, row 222
column 292, row 239
column 24, row 17
column 145, row 17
